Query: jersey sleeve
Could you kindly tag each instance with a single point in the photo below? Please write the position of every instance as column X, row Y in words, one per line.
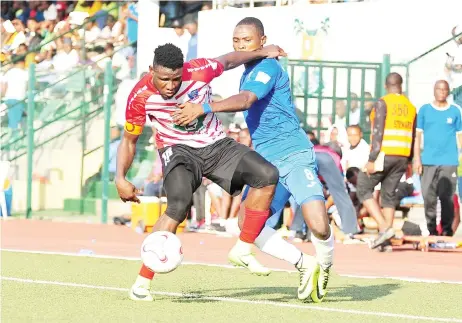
column 262, row 79
column 135, row 113
column 204, row 69
column 420, row 119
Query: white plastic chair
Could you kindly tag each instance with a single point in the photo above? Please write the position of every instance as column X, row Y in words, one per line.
column 4, row 169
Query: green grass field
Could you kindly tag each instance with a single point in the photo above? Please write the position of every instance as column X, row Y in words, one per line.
column 53, row 288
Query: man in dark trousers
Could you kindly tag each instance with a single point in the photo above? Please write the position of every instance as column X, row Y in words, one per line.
column 441, row 125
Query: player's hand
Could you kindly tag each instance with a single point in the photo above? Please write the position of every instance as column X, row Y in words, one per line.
column 370, row 168
column 273, row 51
column 188, row 113
column 417, row 166
column 127, row 191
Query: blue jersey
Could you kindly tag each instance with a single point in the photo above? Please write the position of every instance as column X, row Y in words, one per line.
column 272, row 121
column 440, row 127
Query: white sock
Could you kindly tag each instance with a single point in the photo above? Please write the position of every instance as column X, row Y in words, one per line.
column 324, row 249
column 142, row 281
column 243, row 247
column 273, row 244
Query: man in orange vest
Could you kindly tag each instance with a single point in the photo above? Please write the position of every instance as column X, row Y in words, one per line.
column 393, row 126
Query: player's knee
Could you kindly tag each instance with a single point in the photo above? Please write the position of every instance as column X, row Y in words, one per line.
column 178, row 206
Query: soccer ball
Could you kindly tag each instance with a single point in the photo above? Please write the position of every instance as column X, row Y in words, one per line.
column 161, row 252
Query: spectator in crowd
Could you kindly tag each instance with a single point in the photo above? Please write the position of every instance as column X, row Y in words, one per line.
column 340, row 114
column 330, row 171
column 368, row 105
column 33, row 37
column 182, row 38
column 440, row 123
column 391, row 149
column 357, row 153
column 191, row 26
column 113, row 30
column 355, row 112
column 16, row 38
column 66, row 57
column 131, row 14
column 119, row 62
column 14, row 89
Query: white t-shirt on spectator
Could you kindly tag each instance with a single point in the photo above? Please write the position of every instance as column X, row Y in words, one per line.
column 63, row 62
column 107, row 33
column 358, row 156
column 118, row 61
column 16, row 80
column 355, row 117
column 92, row 35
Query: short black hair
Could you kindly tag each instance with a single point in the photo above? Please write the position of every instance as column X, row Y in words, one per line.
column 252, row 21
column 394, row 79
column 168, row 56
column 355, row 126
column 352, row 171
column 335, row 147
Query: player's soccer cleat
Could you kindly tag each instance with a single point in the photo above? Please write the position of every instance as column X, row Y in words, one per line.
column 247, row 261
column 318, row 294
column 308, row 268
column 140, row 293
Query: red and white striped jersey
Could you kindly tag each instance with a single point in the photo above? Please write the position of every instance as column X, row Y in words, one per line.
column 145, row 102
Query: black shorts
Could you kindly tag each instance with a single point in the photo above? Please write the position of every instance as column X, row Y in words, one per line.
column 394, row 168
column 217, row 162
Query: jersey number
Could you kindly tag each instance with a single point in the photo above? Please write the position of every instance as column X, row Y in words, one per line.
column 166, row 156
column 310, row 177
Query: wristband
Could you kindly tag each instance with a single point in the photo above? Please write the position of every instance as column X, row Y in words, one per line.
column 207, row 108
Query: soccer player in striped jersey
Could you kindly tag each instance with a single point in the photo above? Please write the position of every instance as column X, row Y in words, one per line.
column 269, row 111
column 198, row 149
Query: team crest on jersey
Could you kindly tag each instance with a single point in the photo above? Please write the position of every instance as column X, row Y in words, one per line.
column 193, row 94
column 194, row 126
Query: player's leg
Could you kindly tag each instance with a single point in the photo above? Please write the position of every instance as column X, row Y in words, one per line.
column 261, row 177
column 179, row 184
column 302, row 181
column 447, row 182
column 232, row 165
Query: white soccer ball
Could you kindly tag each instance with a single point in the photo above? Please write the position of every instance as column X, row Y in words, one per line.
column 161, row 252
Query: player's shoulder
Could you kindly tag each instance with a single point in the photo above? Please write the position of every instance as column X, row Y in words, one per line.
column 269, row 64
column 202, row 69
column 143, row 89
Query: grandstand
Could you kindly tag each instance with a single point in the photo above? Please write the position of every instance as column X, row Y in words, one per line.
column 77, row 62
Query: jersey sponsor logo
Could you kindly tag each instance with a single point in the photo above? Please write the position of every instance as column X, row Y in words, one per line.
column 193, row 94
column 402, row 124
column 133, row 128
column 194, row 126
column 262, row 77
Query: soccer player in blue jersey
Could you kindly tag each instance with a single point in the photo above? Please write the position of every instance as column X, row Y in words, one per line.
column 265, row 98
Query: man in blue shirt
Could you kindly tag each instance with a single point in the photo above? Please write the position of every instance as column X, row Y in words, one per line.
column 441, row 125
column 266, row 100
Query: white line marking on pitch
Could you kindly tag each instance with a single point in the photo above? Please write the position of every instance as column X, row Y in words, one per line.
column 244, row 301
column 188, row 263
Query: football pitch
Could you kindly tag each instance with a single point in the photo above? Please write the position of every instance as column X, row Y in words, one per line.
column 62, row 288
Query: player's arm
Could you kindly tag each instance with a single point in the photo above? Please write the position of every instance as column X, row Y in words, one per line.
column 378, row 129
column 235, row 59
column 135, row 115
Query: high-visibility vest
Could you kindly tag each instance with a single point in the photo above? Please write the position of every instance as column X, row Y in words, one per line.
column 399, row 125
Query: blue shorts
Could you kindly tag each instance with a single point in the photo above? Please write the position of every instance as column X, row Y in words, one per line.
column 298, row 176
